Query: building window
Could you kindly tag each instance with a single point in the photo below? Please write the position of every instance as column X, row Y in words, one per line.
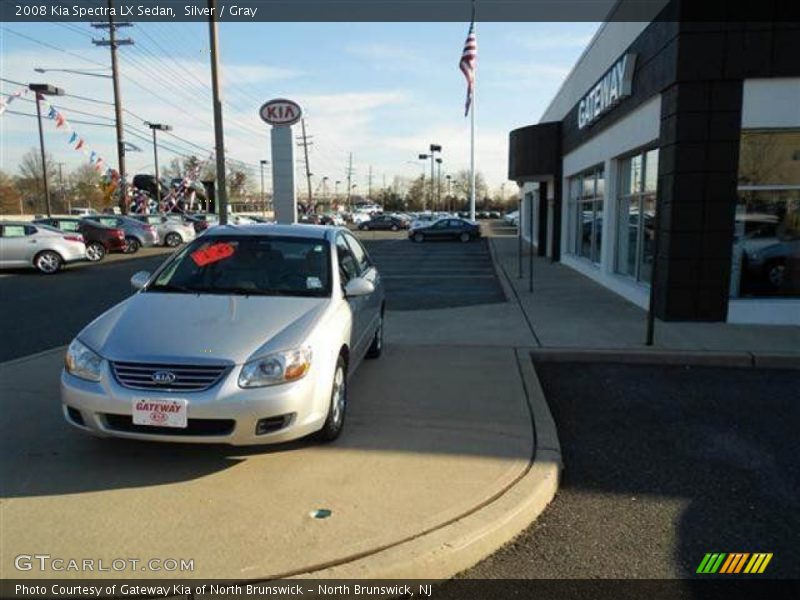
column 766, row 244
column 586, row 192
column 637, row 213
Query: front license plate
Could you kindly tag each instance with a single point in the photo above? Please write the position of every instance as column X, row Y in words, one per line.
column 161, row 412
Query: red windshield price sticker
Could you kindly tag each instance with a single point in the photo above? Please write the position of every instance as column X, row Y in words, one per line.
column 212, row 254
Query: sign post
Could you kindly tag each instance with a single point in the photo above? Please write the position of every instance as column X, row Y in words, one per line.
column 282, row 114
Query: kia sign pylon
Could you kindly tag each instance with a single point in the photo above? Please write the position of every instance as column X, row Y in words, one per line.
column 282, row 114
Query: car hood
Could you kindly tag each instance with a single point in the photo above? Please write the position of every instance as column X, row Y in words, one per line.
column 165, row 327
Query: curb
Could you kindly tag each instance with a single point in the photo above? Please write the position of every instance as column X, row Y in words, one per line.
column 499, row 271
column 700, row 358
column 457, row 546
column 34, row 356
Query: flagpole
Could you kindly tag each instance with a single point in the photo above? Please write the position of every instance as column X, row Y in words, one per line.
column 472, row 152
column 472, row 128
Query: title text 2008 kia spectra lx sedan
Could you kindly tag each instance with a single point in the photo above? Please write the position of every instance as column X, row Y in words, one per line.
column 246, row 336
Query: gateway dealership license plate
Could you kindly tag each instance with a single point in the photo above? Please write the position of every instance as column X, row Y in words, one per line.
column 160, row 413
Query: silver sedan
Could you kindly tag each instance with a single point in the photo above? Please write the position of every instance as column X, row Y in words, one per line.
column 246, row 336
column 171, row 230
column 40, row 246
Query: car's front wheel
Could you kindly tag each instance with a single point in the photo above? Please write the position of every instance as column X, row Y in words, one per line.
column 395, row 228
column 464, row 237
column 419, row 237
column 48, row 262
column 173, row 239
column 95, row 251
column 776, row 273
column 334, row 423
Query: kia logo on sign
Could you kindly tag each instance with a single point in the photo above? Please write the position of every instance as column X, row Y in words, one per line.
column 163, row 377
column 281, row 112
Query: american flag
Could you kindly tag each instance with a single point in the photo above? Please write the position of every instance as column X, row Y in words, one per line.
column 469, row 58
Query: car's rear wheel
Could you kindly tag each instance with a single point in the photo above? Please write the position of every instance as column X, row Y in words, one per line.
column 334, row 423
column 395, row 227
column 464, row 237
column 95, row 251
column 419, row 237
column 48, row 262
column 173, row 239
column 376, row 348
column 132, row 245
column 776, row 272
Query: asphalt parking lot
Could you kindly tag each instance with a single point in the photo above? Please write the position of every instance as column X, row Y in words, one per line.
column 433, row 274
column 662, row 465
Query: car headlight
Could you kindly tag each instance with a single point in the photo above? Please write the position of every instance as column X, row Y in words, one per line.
column 281, row 367
column 83, row 362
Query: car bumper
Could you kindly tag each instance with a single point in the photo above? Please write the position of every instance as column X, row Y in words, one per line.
column 115, row 245
column 148, row 239
column 73, row 252
column 223, row 414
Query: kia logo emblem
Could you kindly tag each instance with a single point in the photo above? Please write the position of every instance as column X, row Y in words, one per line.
column 163, row 377
column 281, row 112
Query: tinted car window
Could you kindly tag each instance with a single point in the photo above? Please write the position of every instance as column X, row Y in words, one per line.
column 108, row 221
column 68, row 225
column 348, row 266
column 358, row 252
column 10, row 231
column 249, row 265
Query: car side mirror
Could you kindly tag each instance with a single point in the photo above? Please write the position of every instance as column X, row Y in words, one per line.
column 140, row 279
column 358, row 286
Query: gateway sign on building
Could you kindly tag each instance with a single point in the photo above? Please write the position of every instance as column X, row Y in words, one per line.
column 614, row 86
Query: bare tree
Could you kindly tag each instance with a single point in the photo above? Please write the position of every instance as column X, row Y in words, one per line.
column 30, row 183
column 10, row 197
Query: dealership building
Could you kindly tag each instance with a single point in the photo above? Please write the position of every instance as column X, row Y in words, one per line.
column 672, row 152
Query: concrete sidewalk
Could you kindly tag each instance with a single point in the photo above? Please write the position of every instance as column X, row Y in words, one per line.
column 570, row 311
column 434, row 472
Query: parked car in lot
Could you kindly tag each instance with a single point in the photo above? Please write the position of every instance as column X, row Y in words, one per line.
column 384, row 222
column 447, row 229
column 172, row 231
column 512, row 218
column 24, row 245
column 82, row 211
column 99, row 239
column 245, row 336
column 137, row 234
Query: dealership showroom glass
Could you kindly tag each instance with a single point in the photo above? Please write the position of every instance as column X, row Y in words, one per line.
column 688, row 129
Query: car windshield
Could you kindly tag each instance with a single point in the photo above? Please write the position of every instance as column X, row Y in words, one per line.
column 249, row 265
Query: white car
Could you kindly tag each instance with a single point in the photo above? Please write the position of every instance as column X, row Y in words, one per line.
column 512, row 218
column 25, row 245
column 245, row 336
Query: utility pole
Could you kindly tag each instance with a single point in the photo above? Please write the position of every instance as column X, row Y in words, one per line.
column 369, row 184
column 305, row 144
column 219, row 137
column 349, row 181
column 113, row 43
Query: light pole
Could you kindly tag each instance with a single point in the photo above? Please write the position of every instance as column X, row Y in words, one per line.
column 336, row 190
column 439, row 182
column 425, row 157
column 44, row 89
column 264, row 163
column 449, row 178
column 75, row 72
column 434, row 148
column 157, row 127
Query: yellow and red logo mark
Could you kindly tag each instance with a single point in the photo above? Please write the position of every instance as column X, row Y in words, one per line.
column 734, row 563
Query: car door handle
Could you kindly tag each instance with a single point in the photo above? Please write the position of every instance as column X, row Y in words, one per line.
column 31, row 241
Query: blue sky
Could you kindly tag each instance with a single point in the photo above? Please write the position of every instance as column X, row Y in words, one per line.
column 381, row 90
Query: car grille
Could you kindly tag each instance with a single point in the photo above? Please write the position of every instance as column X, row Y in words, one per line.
column 188, row 378
column 193, row 426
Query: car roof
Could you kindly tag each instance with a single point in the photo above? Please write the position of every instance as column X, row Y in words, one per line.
column 296, row 230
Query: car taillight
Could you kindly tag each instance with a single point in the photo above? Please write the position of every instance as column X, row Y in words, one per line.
column 74, row 238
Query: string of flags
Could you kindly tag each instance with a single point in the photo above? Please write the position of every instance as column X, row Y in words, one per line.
column 77, row 141
column 6, row 102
